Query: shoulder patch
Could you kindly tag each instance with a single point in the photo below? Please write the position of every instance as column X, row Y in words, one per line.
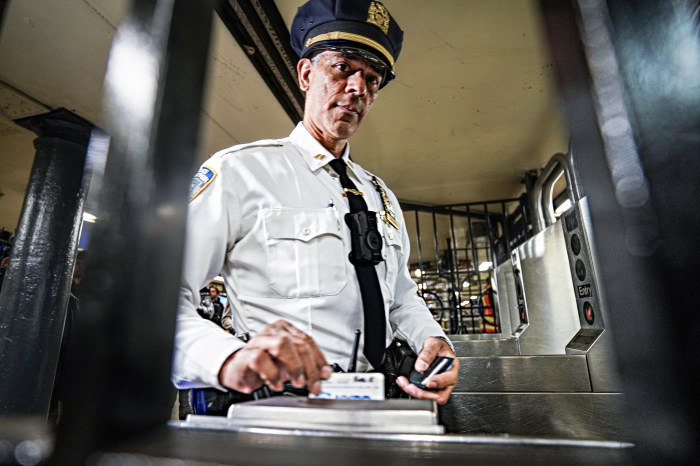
column 201, row 180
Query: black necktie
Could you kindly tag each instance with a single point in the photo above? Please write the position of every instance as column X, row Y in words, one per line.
column 372, row 302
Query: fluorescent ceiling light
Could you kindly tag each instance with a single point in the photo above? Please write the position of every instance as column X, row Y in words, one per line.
column 484, row 266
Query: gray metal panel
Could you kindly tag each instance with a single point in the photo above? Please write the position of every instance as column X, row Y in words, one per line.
column 299, row 447
column 548, row 290
column 477, row 336
column 524, row 374
column 179, row 444
column 506, row 298
column 485, row 347
column 584, row 281
column 602, row 365
column 592, row 416
column 602, row 358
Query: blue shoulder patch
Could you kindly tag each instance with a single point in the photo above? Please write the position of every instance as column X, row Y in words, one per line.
column 201, row 180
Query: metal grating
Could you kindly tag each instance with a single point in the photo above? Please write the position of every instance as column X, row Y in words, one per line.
column 454, row 252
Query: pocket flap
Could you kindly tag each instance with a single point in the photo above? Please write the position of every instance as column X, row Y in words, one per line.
column 300, row 224
column 392, row 237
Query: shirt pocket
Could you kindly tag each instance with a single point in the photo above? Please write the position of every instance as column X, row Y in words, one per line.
column 305, row 252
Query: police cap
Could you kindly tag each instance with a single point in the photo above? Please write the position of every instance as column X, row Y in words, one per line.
column 360, row 26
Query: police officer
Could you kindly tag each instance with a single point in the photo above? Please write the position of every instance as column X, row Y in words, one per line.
column 271, row 217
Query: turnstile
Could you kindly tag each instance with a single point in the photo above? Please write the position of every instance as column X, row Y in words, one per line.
column 551, row 371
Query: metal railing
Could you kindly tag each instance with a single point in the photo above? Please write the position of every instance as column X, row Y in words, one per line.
column 454, row 251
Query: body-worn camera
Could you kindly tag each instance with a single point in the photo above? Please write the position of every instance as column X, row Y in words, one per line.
column 366, row 240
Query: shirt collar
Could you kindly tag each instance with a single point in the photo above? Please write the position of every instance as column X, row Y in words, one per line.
column 313, row 153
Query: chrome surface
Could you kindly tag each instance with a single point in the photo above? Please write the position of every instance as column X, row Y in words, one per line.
column 584, row 282
column 479, row 346
column 549, row 293
column 602, row 365
column 273, row 446
column 524, row 374
column 542, row 201
column 451, row 438
column 602, row 359
column 591, row 416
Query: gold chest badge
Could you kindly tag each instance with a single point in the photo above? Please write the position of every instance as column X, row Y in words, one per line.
column 379, row 16
column 388, row 216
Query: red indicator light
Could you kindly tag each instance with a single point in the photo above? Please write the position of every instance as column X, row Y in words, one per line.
column 588, row 313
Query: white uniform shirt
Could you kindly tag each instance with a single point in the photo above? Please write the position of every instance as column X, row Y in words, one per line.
column 269, row 216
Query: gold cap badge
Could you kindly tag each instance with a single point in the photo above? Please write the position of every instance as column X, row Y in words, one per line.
column 379, row 16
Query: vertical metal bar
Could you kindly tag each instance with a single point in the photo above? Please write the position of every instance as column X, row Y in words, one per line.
column 120, row 363
column 436, row 242
column 438, row 270
column 479, row 281
column 493, row 264
column 475, row 265
column 490, row 251
column 420, row 250
column 457, row 290
column 37, row 285
column 506, row 228
column 3, row 8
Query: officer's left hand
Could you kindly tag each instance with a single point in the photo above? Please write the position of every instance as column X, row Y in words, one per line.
column 441, row 385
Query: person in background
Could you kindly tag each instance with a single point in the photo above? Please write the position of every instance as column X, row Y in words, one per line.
column 4, row 263
column 314, row 245
column 6, row 239
column 227, row 319
column 211, row 307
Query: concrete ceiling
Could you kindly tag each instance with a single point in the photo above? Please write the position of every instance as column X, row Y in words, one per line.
column 472, row 108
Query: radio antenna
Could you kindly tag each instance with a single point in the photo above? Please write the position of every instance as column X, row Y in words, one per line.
column 355, row 346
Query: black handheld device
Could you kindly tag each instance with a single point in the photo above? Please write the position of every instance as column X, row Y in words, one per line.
column 439, row 365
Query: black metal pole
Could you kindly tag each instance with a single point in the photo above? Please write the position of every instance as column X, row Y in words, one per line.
column 37, row 285
column 119, row 367
column 3, row 7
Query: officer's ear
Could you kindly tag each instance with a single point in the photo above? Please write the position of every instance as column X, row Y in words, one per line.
column 304, row 67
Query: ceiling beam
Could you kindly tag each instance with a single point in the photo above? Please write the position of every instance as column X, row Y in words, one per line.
column 261, row 32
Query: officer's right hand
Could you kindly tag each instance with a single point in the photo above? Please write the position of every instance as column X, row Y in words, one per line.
column 278, row 353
